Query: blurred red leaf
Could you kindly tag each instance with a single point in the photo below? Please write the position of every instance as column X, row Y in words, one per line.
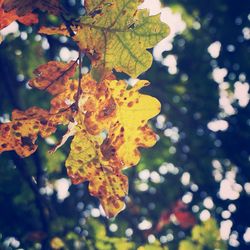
column 184, row 218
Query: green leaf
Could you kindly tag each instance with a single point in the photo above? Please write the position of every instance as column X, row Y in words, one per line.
column 115, row 35
column 187, row 245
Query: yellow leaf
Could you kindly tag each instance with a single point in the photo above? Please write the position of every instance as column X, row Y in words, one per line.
column 85, row 164
column 154, row 246
column 124, row 113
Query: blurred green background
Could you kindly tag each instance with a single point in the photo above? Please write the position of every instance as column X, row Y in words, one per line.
column 199, row 169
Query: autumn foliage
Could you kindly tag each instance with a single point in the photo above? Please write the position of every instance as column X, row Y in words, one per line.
column 107, row 119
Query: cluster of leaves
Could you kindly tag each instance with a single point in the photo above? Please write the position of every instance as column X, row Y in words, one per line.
column 107, row 118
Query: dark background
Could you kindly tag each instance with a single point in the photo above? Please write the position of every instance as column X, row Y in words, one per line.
column 191, row 162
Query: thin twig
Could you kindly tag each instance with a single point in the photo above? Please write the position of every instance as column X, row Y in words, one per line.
column 68, row 26
column 79, row 90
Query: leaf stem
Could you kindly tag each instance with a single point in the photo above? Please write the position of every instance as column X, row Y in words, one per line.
column 79, row 90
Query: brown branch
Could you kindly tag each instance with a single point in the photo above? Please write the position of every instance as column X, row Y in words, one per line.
column 40, row 201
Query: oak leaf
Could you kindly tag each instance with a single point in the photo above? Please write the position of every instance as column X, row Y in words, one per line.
column 124, row 113
column 21, row 133
column 85, row 164
column 54, row 77
column 116, row 35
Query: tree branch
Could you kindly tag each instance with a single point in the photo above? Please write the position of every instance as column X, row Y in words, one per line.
column 42, row 204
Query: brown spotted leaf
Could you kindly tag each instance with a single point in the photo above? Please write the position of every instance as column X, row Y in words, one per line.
column 53, row 76
column 85, row 164
column 98, row 104
column 129, row 130
column 124, row 113
column 21, row 133
column 110, row 126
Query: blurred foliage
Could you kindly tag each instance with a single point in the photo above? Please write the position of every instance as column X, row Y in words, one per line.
column 190, row 161
column 204, row 236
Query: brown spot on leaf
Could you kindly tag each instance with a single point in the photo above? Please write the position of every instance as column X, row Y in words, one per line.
column 43, row 121
column 107, row 149
column 78, row 148
column 6, row 129
column 19, row 124
column 18, row 134
column 15, row 127
column 130, row 104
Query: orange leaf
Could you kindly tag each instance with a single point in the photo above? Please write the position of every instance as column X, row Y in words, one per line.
column 21, row 133
column 53, row 76
column 23, row 7
column 8, row 18
column 183, row 216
